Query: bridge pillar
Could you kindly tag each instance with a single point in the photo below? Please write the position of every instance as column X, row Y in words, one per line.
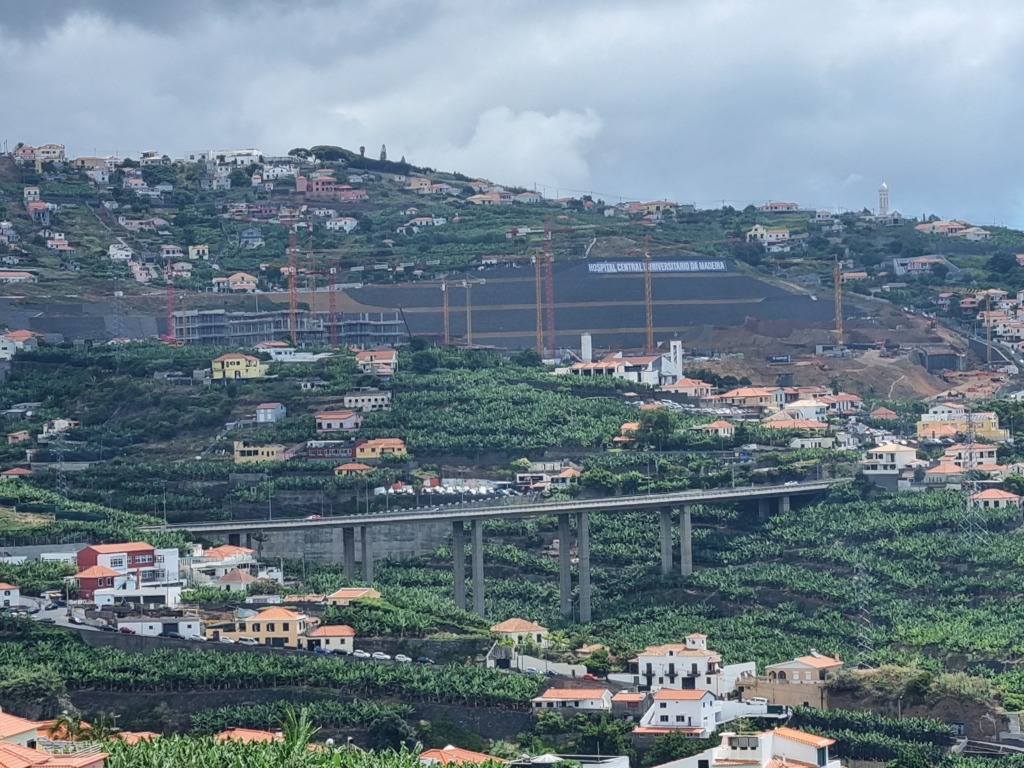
column 478, row 567
column 459, row 559
column 248, row 541
column 583, row 553
column 686, row 541
column 366, row 542
column 564, row 567
column 783, row 504
column 763, row 508
column 348, row 552
column 666, row 542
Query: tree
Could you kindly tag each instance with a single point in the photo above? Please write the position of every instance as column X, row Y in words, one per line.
column 676, row 746
column 67, row 726
column 1003, row 263
column 239, row 178
column 527, row 358
column 299, row 152
column 383, row 153
column 362, row 151
column 424, row 361
column 390, row 732
column 298, row 730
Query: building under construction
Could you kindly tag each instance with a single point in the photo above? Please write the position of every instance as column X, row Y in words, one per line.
column 226, row 328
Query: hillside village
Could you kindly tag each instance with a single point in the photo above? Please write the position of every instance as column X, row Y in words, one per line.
column 125, row 433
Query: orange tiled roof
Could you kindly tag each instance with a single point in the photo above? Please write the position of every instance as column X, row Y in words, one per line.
column 224, row 551
column 117, row 549
column 281, row 614
column 333, row 630
column 672, row 694
column 820, row 662
column 629, row 696
column 803, row 737
column 989, row 493
column 11, row 725
column 354, row 593
column 17, row 756
column 570, row 694
column 248, row 735
column 518, row 625
column 456, row 756
column 97, row 572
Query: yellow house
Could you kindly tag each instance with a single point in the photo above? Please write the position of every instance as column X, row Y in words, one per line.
column 276, row 626
column 943, row 419
column 381, row 446
column 346, row 595
column 235, row 365
column 246, row 453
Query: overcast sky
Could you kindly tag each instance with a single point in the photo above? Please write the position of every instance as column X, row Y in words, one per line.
column 697, row 101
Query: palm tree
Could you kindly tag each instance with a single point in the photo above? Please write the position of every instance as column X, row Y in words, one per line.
column 298, row 730
column 104, row 727
column 67, row 726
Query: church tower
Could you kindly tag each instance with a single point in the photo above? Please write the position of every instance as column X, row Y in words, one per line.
column 883, row 200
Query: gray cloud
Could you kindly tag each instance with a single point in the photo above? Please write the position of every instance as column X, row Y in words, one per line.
column 705, row 101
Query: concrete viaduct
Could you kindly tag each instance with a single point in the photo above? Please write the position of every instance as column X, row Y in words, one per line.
column 459, row 515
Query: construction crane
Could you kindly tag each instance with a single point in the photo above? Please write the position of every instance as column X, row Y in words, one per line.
column 446, row 286
column 837, row 278
column 330, row 271
column 293, row 291
column 172, row 324
column 650, row 347
column 444, row 310
column 468, row 284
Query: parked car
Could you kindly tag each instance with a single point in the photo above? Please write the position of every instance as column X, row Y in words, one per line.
column 381, row 656
column 172, row 635
column 47, row 620
column 340, row 652
column 757, row 700
column 126, row 631
column 551, row 673
column 196, row 638
column 226, row 641
column 402, row 658
column 321, row 649
column 106, row 628
column 425, row 660
column 247, row 641
column 532, row 671
column 590, row 676
column 360, row 654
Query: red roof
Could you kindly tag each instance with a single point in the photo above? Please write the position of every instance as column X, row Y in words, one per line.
column 457, row 756
column 16, row 472
column 670, row 694
column 995, row 493
column 572, row 694
column 333, row 630
column 117, row 549
column 97, row 572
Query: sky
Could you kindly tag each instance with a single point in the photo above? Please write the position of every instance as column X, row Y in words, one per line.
column 702, row 101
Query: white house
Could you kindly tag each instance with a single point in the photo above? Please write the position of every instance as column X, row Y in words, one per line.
column 8, row 348
column 889, row 459
column 990, row 498
column 270, row 413
column 693, row 712
column 811, row 410
column 577, row 699
column 341, row 224
column 684, row 665
column 331, row 637
column 142, row 625
column 10, row 595
column 779, row 748
column 368, row 399
column 126, row 590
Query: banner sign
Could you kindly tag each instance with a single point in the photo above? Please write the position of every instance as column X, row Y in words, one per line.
column 637, row 267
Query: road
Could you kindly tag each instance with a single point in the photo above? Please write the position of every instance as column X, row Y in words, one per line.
column 456, row 511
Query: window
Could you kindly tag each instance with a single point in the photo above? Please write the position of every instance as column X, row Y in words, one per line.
column 679, row 718
column 284, row 627
column 270, row 627
column 255, row 627
column 663, row 718
column 117, row 562
column 662, row 705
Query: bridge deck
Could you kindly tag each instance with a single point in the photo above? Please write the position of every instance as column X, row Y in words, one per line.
column 640, row 502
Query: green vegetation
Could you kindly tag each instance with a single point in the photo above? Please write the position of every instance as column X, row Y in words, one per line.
column 323, row 712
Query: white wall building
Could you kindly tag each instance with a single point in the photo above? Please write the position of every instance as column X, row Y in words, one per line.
column 781, row 747
column 689, row 665
column 10, row 595
column 186, row 627
column 576, row 699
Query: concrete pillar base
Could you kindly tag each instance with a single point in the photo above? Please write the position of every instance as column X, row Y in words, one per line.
column 367, row 553
column 348, row 552
column 564, row 567
column 666, row 542
column 459, row 562
column 686, row 541
column 478, row 567
column 583, row 553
